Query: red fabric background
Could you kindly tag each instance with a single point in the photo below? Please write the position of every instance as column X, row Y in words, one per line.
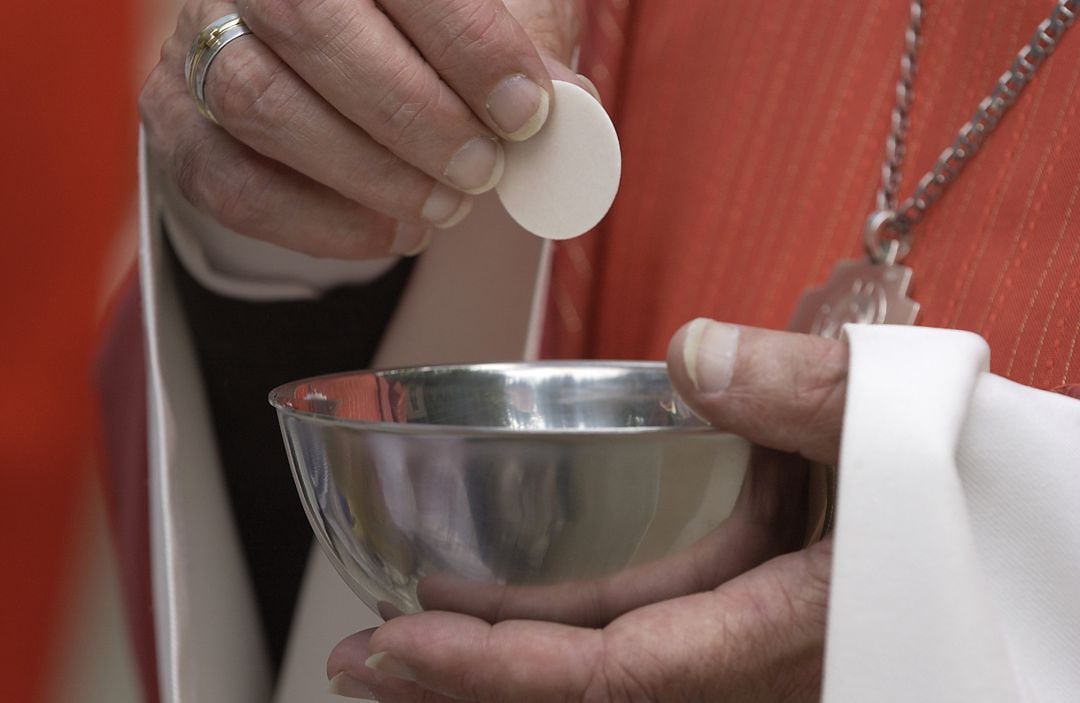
column 66, row 178
column 753, row 135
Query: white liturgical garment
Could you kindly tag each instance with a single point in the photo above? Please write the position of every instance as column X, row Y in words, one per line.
column 956, row 569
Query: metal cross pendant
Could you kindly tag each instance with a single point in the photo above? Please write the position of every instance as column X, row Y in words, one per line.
column 857, row 291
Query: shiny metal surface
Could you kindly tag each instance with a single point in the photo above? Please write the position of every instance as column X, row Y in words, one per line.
column 204, row 49
column 968, row 140
column 569, row 491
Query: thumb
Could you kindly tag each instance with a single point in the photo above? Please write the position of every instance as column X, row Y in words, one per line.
column 778, row 389
column 554, row 26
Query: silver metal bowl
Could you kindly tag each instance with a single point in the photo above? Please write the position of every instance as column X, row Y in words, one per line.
column 568, row 491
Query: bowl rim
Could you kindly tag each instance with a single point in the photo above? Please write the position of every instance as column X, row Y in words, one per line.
column 279, row 394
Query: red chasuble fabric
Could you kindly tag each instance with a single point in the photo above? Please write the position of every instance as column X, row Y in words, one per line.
column 753, row 135
column 67, row 170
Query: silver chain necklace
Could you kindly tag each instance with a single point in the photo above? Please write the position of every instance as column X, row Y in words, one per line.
column 874, row 290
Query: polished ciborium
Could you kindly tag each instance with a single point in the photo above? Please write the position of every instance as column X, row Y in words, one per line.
column 560, row 490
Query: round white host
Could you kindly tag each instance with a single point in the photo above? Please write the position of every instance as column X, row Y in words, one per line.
column 560, row 183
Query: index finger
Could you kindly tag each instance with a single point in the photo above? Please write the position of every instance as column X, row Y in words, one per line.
column 770, row 620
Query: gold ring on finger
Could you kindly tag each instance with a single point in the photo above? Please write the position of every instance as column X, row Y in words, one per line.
column 207, row 45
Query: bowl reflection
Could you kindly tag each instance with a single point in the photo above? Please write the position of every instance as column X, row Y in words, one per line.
column 569, row 491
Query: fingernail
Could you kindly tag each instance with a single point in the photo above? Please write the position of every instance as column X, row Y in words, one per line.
column 519, row 107
column 460, row 214
column 445, row 207
column 384, row 663
column 709, row 354
column 477, row 166
column 388, row 611
column 410, row 239
column 589, row 86
column 442, row 204
column 347, row 687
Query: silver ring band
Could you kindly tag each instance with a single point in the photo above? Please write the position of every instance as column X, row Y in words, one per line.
column 211, row 40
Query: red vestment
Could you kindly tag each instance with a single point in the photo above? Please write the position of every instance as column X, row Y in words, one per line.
column 753, row 136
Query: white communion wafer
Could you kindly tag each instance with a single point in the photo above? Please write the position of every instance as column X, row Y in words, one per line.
column 560, row 183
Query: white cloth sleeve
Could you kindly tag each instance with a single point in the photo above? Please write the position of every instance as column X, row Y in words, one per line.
column 957, row 543
column 236, row 266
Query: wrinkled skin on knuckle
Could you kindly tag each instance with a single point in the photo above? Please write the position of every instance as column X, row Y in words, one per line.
column 346, row 41
column 796, row 680
column 746, row 408
column 192, row 18
column 236, row 88
column 376, row 180
column 623, row 673
column 255, row 97
column 823, row 370
column 411, row 95
column 345, row 244
column 220, row 189
column 557, row 22
column 151, row 100
column 281, row 21
column 795, row 400
column 188, row 168
column 425, row 696
column 623, row 684
column 230, row 191
column 164, row 101
column 821, row 383
column 470, row 27
column 795, row 629
column 815, row 592
column 236, row 201
column 171, row 127
column 475, row 682
column 402, row 124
